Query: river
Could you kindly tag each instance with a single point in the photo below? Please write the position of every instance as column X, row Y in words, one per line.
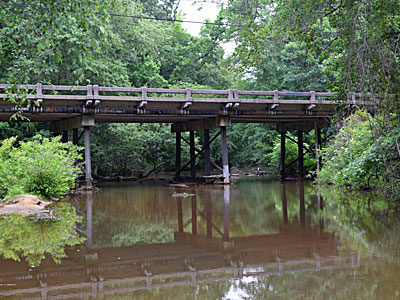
column 254, row 239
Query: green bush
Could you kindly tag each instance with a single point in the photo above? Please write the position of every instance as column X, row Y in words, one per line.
column 42, row 167
column 363, row 155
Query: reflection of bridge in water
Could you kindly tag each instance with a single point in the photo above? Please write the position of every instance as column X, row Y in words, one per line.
column 190, row 259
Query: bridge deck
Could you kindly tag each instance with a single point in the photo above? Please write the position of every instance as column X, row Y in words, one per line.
column 145, row 105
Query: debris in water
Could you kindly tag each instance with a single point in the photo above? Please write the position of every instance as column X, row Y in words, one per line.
column 184, row 195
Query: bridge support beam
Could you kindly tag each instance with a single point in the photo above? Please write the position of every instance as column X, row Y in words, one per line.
column 192, row 156
column 283, row 155
column 300, row 153
column 225, row 161
column 88, row 162
column 317, row 133
column 207, row 152
column 64, row 138
column 178, row 155
column 69, row 124
column 75, row 136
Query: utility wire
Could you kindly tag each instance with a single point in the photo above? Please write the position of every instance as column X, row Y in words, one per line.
column 174, row 20
column 140, row 17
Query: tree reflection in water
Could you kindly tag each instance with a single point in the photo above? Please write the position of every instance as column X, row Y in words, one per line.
column 32, row 238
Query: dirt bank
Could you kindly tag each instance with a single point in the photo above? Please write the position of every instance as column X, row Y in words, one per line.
column 24, row 205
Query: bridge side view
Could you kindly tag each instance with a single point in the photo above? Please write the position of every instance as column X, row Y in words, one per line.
column 73, row 107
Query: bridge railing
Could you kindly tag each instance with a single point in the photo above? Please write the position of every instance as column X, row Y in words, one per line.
column 95, row 92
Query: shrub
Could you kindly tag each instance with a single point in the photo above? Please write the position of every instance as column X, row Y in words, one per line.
column 43, row 167
column 362, row 156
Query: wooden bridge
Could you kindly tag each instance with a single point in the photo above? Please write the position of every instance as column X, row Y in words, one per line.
column 74, row 107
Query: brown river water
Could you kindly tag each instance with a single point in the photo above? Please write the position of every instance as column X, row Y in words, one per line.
column 255, row 239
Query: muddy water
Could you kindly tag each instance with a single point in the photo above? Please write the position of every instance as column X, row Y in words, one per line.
column 253, row 240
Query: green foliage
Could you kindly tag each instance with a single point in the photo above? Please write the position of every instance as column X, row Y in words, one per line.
column 43, row 167
column 358, row 158
column 250, row 144
column 34, row 238
column 135, row 150
column 309, row 163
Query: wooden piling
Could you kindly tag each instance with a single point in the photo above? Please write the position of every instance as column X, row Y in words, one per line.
column 225, row 161
column 283, row 155
column 88, row 163
column 75, row 136
column 207, row 152
column 192, row 156
column 319, row 145
column 64, row 137
column 300, row 153
column 178, row 155
column 317, row 148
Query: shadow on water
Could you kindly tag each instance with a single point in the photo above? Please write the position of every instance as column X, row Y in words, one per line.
column 251, row 240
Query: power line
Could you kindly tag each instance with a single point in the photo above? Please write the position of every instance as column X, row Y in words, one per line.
column 139, row 17
column 174, row 20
